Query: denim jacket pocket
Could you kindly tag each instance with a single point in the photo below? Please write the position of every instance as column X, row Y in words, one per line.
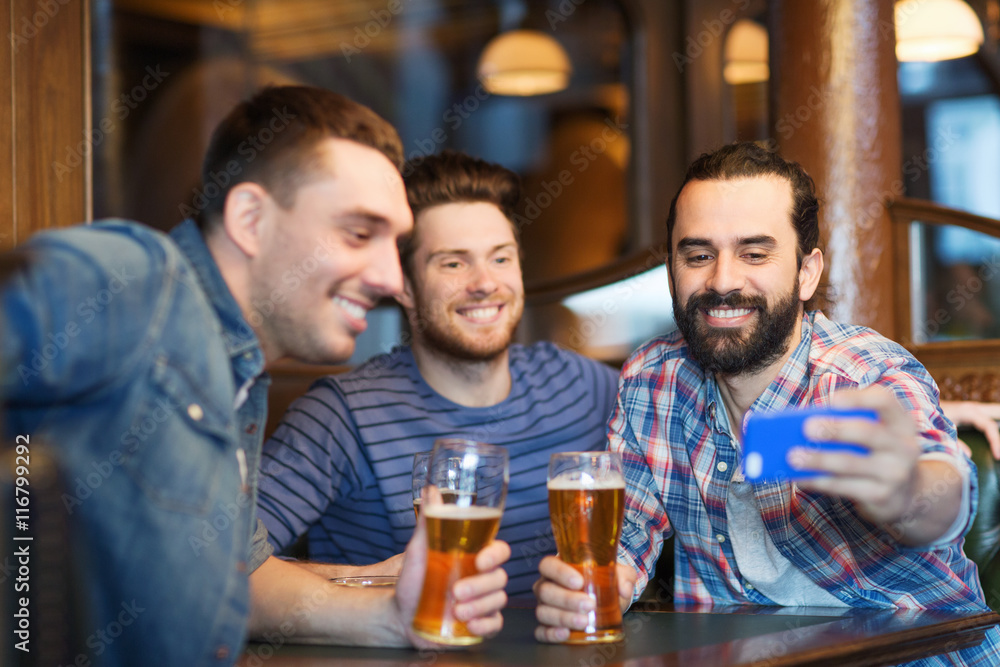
column 178, row 438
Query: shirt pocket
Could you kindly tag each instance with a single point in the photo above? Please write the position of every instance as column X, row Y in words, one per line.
column 176, row 442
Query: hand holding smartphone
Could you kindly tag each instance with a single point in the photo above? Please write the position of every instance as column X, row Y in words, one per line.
column 769, row 436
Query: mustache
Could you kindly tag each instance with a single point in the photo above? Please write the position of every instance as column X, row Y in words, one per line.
column 731, row 300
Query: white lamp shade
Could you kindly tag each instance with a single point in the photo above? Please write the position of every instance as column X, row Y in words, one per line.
column 746, row 53
column 524, row 62
column 933, row 30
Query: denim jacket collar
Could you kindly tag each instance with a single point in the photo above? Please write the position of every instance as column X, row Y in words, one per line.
column 241, row 341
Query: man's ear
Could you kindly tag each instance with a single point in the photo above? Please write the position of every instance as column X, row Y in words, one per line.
column 809, row 274
column 243, row 215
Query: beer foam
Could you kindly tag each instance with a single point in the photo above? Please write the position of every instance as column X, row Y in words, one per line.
column 574, row 481
column 445, row 511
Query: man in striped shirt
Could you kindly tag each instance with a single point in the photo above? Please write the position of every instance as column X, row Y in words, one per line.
column 882, row 530
column 338, row 467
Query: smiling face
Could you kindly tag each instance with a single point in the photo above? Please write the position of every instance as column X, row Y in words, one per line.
column 467, row 296
column 737, row 287
column 320, row 265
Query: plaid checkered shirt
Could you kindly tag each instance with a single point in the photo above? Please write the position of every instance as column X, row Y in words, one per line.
column 679, row 456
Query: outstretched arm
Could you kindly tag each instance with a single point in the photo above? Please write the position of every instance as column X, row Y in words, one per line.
column 388, row 567
column 304, row 607
column 917, row 500
column 982, row 416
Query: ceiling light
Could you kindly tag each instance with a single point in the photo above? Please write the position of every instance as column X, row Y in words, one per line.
column 746, row 53
column 933, row 30
column 524, row 62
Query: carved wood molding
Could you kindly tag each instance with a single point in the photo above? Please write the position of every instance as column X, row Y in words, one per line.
column 969, row 387
column 964, row 370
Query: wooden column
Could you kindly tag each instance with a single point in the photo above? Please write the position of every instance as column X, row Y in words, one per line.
column 836, row 111
column 45, row 174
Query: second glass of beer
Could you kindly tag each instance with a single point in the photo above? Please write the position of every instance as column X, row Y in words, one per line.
column 420, row 462
column 586, row 506
column 462, row 504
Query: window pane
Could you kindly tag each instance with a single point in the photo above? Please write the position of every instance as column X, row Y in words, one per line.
column 609, row 322
column 957, row 267
column 956, row 291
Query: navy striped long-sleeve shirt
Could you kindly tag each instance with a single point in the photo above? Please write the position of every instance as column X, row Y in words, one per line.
column 339, row 465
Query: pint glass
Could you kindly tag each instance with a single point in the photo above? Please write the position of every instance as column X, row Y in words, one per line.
column 586, row 506
column 420, row 461
column 462, row 504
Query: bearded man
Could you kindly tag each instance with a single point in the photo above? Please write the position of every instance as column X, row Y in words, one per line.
column 881, row 530
column 338, row 467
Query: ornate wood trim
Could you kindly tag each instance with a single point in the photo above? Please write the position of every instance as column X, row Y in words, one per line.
column 964, row 370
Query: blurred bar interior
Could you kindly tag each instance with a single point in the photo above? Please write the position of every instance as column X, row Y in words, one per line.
column 599, row 104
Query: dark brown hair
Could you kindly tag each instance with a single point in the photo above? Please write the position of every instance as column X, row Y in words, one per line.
column 451, row 177
column 272, row 139
column 750, row 160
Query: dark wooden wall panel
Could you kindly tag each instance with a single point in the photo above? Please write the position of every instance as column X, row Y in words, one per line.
column 45, row 172
column 6, row 135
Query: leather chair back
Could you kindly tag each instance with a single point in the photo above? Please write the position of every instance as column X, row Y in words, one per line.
column 982, row 544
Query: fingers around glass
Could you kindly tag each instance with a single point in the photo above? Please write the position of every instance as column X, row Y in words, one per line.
column 462, row 503
column 586, row 507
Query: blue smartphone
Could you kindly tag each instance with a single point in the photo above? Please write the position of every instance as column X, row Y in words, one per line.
column 769, row 436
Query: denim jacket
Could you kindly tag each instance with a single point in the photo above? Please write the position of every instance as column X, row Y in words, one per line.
column 124, row 350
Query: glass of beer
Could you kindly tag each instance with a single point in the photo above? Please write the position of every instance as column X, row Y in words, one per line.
column 420, row 461
column 586, row 506
column 462, row 504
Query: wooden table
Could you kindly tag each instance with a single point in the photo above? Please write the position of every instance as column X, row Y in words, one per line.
column 664, row 637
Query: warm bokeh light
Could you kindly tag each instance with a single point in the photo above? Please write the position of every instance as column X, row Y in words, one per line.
column 934, row 30
column 524, row 62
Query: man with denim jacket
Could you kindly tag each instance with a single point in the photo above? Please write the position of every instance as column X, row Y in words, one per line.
column 141, row 358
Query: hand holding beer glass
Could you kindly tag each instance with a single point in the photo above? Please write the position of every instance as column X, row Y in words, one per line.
column 462, row 504
column 586, row 506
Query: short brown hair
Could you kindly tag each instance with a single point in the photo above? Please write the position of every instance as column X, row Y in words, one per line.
column 747, row 159
column 451, row 177
column 272, row 138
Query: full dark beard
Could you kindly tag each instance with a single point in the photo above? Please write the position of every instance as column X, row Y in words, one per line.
column 738, row 351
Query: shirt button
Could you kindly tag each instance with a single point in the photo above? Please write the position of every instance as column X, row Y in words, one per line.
column 195, row 412
column 721, row 538
column 722, row 466
column 222, row 652
column 748, row 586
column 251, row 429
column 711, row 411
column 248, row 355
